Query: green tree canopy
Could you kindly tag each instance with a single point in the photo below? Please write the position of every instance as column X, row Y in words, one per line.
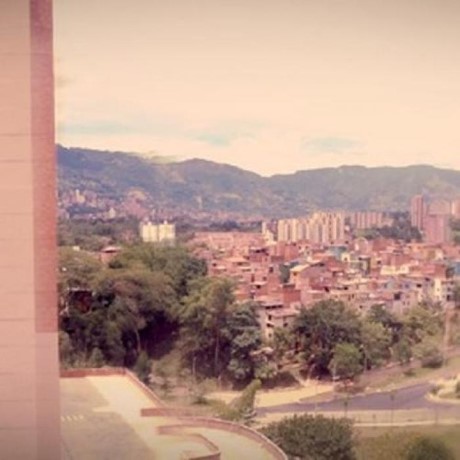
column 313, row 438
column 205, row 332
column 245, row 336
column 429, row 353
column 403, row 351
column 320, row 328
column 376, row 340
column 77, row 269
column 174, row 261
column 429, row 448
column 421, row 322
column 135, row 302
column 346, row 361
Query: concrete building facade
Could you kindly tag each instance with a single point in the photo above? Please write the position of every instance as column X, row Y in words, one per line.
column 29, row 383
column 321, row 227
column 418, row 210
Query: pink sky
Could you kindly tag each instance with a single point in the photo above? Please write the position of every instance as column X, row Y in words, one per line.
column 267, row 85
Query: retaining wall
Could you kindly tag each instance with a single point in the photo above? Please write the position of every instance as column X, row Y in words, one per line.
column 106, row 371
column 265, row 443
column 178, row 430
column 191, row 421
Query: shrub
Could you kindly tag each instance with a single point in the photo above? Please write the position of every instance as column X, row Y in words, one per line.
column 429, row 354
column 96, row 358
column 429, row 448
column 310, row 437
column 244, row 405
column 224, row 411
column 200, row 390
column 143, row 367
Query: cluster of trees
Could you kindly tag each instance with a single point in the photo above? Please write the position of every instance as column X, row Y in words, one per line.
column 309, row 437
column 218, row 336
column 94, row 235
column 336, row 340
column 133, row 304
column 148, row 300
column 400, row 229
column 313, row 437
column 152, row 299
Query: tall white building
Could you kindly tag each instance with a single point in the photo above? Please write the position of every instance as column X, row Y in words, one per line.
column 319, row 228
column 157, row 233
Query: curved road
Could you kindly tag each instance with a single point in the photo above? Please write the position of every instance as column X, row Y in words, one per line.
column 411, row 397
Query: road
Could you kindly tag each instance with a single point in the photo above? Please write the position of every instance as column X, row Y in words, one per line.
column 410, row 397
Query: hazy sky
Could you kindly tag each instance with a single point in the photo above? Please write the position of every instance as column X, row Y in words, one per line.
column 267, row 85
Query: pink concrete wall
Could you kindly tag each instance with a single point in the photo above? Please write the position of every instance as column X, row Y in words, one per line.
column 29, row 391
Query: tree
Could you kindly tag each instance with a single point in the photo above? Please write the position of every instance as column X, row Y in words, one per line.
column 319, row 329
column 313, row 438
column 244, row 333
column 401, row 229
column 429, row 448
column 245, row 404
column 77, row 270
column 282, row 342
column 421, row 322
column 143, row 367
column 204, row 318
column 174, row 262
column 134, row 303
column 96, row 358
column 218, row 335
column 429, row 354
column 375, row 340
column 403, row 351
column 379, row 314
column 139, row 301
column 346, row 361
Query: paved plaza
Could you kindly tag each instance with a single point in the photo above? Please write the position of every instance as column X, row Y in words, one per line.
column 100, row 419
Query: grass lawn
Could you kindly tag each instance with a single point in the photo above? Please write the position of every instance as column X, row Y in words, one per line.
column 452, row 364
column 373, row 440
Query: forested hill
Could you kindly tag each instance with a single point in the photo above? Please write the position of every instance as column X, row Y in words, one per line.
column 208, row 186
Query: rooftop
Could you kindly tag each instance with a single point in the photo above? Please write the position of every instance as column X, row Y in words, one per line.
column 101, row 418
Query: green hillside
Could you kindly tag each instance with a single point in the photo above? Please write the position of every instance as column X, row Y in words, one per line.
column 213, row 187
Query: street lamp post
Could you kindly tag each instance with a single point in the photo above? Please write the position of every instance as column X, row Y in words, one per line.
column 392, row 397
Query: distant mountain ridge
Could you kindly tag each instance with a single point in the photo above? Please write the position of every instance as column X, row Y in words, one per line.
column 213, row 187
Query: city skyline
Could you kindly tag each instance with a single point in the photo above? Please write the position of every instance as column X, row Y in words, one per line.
column 272, row 87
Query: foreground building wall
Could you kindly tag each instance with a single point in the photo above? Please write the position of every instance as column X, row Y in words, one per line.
column 29, row 385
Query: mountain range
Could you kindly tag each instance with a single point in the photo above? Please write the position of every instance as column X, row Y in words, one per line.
column 203, row 185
